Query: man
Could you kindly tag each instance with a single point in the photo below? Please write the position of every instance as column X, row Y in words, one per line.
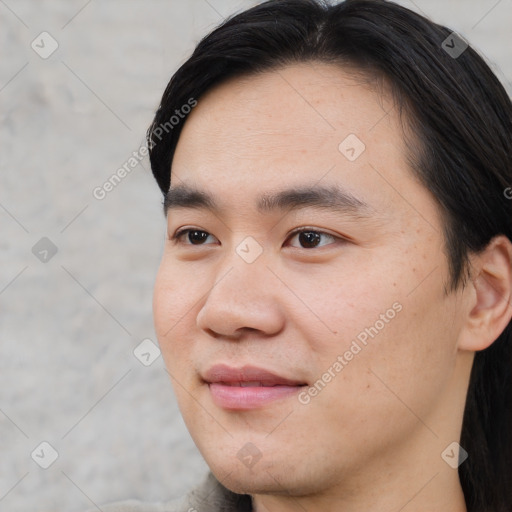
column 334, row 299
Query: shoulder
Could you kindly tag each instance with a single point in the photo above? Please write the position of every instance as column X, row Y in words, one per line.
column 139, row 506
column 209, row 496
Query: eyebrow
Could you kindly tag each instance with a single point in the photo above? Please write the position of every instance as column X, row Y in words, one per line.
column 330, row 198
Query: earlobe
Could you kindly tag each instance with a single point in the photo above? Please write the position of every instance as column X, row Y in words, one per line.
column 491, row 307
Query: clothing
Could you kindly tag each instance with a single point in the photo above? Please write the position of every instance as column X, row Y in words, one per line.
column 209, row 496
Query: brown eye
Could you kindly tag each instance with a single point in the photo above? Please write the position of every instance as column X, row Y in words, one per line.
column 193, row 236
column 197, row 237
column 310, row 239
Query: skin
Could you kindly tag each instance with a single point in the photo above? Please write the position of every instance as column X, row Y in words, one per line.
column 372, row 439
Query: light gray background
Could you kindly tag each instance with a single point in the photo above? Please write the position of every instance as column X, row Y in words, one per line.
column 68, row 327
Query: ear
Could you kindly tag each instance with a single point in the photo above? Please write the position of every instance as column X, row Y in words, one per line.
column 490, row 291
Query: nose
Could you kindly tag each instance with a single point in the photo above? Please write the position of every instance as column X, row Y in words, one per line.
column 243, row 298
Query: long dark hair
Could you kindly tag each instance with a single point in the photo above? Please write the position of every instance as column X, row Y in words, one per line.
column 461, row 118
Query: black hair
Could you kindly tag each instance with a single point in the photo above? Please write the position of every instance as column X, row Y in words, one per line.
column 461, row 120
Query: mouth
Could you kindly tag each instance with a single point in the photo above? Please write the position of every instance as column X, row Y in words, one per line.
column 248, row 387
column 249, row 384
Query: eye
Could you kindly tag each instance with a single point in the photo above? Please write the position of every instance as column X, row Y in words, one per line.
column 195, row 236
column 308, row 238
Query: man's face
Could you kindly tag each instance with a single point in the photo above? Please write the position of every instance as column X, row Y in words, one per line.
column 351, row 317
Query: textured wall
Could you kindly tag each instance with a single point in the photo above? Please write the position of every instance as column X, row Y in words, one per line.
column 70, row 321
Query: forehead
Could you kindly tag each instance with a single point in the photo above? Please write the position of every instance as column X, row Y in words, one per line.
column 301, row 107
column 304, row 123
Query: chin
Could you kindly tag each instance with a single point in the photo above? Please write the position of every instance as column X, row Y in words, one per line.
column 264, row 477
column 251, row 482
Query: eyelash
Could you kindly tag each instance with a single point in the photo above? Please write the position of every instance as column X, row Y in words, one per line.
column 181, row 232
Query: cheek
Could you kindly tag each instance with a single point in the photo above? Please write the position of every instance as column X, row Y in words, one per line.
column 385, row 315
column 394, row 361
column 172, row 300
column 174, row 295
column 340, row 302
column 164, row 311
column 382, row 386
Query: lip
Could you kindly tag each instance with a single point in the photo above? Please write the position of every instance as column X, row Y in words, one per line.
column 248, row 387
